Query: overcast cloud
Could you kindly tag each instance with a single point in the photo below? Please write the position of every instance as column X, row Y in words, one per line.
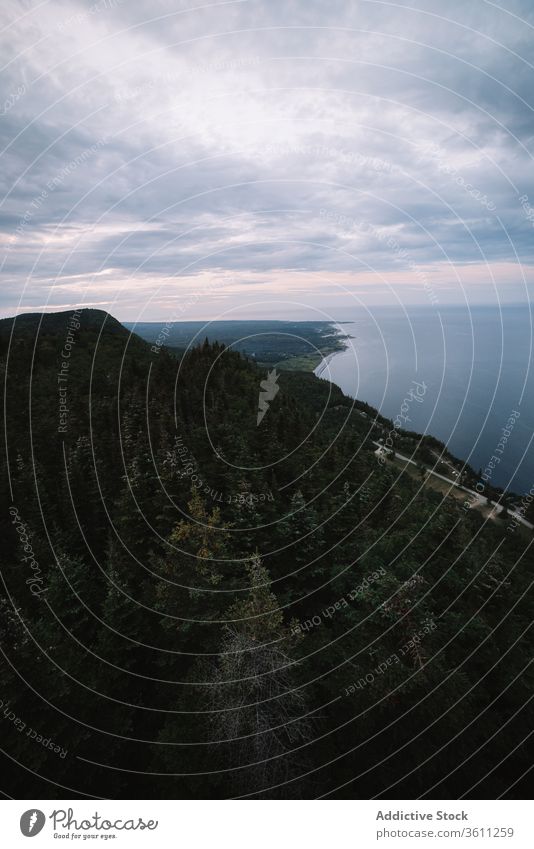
column 276, row 157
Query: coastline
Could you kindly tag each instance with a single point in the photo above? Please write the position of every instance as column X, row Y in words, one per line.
column 323, row 365
column 325, row 362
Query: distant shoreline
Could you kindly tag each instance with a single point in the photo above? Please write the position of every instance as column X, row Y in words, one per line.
column 325, row 362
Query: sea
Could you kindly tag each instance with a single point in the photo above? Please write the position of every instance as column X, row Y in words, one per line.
column 470, row 368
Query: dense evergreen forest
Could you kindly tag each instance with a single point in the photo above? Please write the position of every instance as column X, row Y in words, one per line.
column 197, row 606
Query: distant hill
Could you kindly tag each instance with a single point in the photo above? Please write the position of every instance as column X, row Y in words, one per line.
column 265, row 341
column 56, row 322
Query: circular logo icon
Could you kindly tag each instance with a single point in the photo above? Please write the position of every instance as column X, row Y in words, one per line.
column 32, row 822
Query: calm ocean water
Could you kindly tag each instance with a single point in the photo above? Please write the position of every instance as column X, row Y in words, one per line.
column 476, row 365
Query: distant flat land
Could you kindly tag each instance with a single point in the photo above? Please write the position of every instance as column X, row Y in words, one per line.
column 293, row 345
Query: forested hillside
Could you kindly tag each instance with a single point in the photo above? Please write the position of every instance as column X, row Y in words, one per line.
column 195, row 605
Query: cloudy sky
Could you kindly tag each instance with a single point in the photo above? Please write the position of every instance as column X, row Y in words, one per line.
column 262, row 158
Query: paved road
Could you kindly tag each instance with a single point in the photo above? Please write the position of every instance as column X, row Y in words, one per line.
column 482, row 500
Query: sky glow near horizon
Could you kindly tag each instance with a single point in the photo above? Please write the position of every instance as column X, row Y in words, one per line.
column 265, row 159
